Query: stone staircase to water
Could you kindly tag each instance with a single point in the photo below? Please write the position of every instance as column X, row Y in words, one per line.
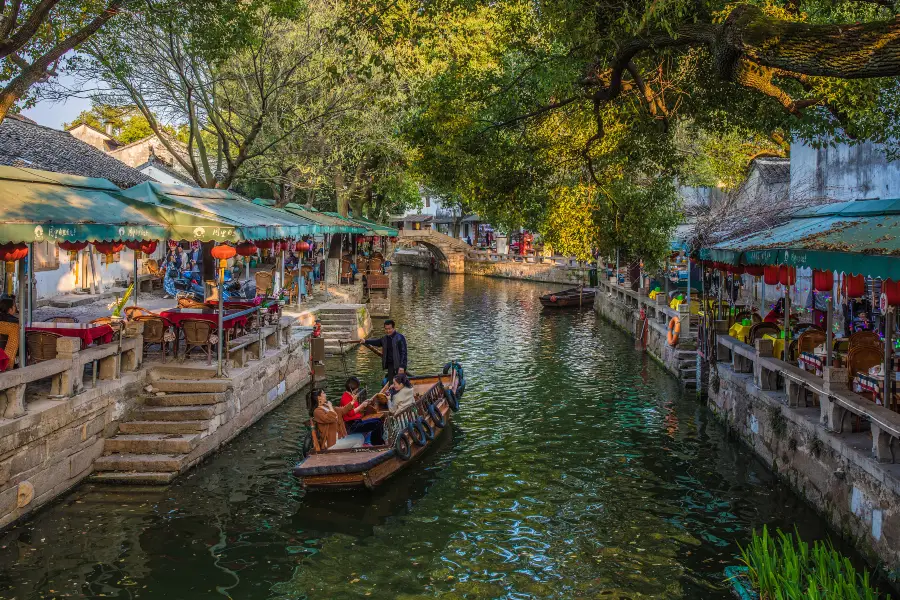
column 339, row 323
column 157, row 442
column 687, row 368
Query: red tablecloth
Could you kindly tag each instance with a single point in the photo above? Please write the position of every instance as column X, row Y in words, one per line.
column 85, row 331
column 4, row 361
column 231, row 319
column 238, row 304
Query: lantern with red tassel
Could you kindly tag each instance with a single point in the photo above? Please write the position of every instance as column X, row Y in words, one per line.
column 823, row 281
column 222, row 253
column 891, row 289
column 148, row 246
column 72, row 248
column 108, row 248
column 754, row 270
column 10, row 253
column 770, row 275
column 302, row 246
column 394, row 239
column 246, row 249
column 854, row 286
column 787, row 275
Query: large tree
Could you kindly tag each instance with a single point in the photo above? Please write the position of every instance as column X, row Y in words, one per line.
column 36, row 35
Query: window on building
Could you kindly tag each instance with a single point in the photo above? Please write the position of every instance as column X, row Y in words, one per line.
column 46, row 256
column 115, row 257
column 427, row 202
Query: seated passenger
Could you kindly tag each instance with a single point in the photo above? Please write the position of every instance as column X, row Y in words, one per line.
column 329, row 427
column 354, row 421
column 402, row 394
column 8, row 310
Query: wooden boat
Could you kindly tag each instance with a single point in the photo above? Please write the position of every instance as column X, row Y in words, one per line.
column 350, row 464
column 569, row 298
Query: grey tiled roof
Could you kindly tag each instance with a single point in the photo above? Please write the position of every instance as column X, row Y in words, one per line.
column 24, row 143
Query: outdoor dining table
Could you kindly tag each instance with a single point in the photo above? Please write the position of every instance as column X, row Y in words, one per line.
column 87, row 332
column 874, row 384
column 814, row 362
column 230, row 318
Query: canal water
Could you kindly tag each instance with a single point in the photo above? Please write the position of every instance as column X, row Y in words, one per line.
column 576, row 468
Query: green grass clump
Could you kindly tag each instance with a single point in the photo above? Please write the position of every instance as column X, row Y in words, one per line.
column 784, row 567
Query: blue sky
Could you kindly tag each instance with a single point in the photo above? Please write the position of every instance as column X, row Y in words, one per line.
column 54, row 114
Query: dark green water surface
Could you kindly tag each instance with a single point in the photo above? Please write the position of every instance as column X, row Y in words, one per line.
column 575, row 469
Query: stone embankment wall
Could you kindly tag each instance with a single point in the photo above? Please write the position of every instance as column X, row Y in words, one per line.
column 622, row 307
column 834, row 472
column 54, row 445
column 546, row 272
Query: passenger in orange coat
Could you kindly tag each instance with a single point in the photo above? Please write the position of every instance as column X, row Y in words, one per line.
column 329, row 422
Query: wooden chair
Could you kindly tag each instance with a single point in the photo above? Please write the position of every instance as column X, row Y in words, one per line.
column 290, row 286
column 197, row 334
column 61, row 320
column 375, row 265
column 185, row 302
column 865, row 338
column 136, row 312
column 809, row 340
column 760, row 329
column 9, row 339
column 155, row 330
column 861, row 359
column 41, row 345
column 265, row 282
column 346, row 273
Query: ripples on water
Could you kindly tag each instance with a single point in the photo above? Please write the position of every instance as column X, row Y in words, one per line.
column 575, row 469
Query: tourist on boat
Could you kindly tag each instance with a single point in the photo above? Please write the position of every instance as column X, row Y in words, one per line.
column 354, row 421
column 393, row 349
column 402, row 394
column 8, row 309
column 329, row 426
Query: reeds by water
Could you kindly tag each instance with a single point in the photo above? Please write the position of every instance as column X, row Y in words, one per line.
column 784, row 567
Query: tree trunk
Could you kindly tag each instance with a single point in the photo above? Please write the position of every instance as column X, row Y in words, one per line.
column 343, row 199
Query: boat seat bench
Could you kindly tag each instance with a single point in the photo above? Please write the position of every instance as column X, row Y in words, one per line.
column 376, row 458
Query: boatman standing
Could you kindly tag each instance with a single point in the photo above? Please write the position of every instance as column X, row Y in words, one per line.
column 393, row 349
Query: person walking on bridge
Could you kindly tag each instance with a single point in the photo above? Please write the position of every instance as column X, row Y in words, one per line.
column 393, row 349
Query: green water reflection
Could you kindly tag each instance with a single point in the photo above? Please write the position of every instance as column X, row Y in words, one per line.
column 575, row 469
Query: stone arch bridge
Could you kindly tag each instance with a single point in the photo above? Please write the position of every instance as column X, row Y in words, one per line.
column 449, row 252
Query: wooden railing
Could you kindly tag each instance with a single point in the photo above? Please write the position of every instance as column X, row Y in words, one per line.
column 66, row 371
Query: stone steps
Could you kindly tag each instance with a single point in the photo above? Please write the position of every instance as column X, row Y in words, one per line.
column 181, row 373
column 135, row 477
column 151, row 443
column 177, row 413
column 189, row 386
column 139, row 462
column 163, row 426
column 184, row 399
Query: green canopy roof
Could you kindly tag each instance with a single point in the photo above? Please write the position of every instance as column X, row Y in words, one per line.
column 252, row 221
column 369, row 227
column 39, row 206
column 332, row 222
column 859, row 237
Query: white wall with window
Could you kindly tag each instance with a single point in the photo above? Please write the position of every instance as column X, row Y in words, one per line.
column 55, row 274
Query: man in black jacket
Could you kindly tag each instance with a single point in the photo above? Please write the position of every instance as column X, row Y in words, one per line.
column 393, row 349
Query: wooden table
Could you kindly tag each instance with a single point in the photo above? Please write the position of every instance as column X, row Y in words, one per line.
column 87, row 332
column 865, row 383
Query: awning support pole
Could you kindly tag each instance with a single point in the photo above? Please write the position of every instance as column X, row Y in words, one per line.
column 21, row 299
column 617, row 267
column 281, row 268
column 888, row 397
column 787, row 321
column 221, row 324
column 134, row 293
column 829, row 330
column 689, row 285
column 30, row 282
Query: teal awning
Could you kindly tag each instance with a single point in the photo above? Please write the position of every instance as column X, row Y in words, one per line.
column 41, row 206
column 333, row 222
column 251, row 221
column 859, row 237
column 369, row 227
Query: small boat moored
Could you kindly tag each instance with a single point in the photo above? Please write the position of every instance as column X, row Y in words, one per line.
column 350, row 463
column 572, row 297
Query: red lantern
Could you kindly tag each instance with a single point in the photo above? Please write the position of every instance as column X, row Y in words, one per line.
column 854, row 286
column 223, row 252
column 302, row 246
column 148, row 246
column 770, row 274
column 736, row 269
column 134, row 245
column 376, row 239
column 755, row 270
column 246, row 249
column 891, row 289
column 360, row 239
column 823, row 281
column 72, row 248
column 265, row 244
column 13, row 252
column 787, row 275
column 394, row 239
column 108, row 248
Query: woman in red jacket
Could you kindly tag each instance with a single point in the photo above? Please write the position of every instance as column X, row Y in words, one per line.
column 373, row 429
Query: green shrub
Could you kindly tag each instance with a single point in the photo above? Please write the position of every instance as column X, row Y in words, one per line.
column 784, row 567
